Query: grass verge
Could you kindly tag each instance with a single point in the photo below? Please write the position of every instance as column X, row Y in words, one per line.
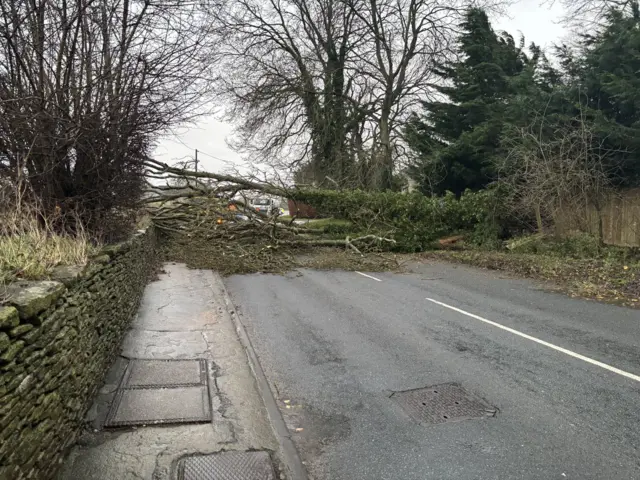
column 30, row 247
column 33, row 255
column 604, row 279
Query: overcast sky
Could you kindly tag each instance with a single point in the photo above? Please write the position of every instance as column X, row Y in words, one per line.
column 536, row 20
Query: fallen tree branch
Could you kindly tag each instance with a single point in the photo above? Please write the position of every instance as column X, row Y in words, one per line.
column 214, row 207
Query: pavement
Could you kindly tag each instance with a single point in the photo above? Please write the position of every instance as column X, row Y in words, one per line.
column 561, row 376
column 157, row 411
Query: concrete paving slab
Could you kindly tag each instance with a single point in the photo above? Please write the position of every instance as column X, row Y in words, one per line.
column 142, row 454
column 160, row 405
column 165, row 373
column 183, row 314
column 167, row 345
column 184, row 302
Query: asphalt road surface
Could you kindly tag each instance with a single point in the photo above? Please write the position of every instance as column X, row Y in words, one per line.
column 562, row 374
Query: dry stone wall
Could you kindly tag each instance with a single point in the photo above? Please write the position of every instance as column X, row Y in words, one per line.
column 57, row 340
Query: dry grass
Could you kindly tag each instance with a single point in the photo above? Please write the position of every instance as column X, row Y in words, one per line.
column 609, row 279
column 32, row 255
column 29, row 246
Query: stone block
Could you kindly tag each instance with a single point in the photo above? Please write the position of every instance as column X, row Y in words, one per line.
column 102, row 259
column 117, row 249
column 56, row 341
column 5, row 342
column 35, row 357
column 32, row 336
column 31, row 298
column 12, row 351
column 15, row 381
column 9, row 317
column 68, row 274
column 20, row 330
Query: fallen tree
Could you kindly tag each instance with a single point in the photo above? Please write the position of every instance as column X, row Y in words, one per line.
column 215, row 208
column 402, row 222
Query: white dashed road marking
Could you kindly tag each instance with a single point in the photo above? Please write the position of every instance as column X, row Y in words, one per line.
column 369, row 276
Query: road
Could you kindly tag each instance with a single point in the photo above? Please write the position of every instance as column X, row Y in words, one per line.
column 563, row 374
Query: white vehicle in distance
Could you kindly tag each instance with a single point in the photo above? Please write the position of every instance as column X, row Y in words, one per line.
column 265, row 205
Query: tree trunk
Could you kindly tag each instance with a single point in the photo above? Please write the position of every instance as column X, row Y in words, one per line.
column 539, row 225
column 385, row 158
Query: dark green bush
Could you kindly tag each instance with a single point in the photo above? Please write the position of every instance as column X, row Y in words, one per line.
column 415, row 221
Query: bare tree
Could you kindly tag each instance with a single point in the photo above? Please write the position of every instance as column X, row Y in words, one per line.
column 327, row 83
column 405, row 39
column 286, row 78
column 581, row 14
column 567, row 170
column 86, row 85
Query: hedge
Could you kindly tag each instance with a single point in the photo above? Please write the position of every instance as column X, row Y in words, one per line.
column 414, row 220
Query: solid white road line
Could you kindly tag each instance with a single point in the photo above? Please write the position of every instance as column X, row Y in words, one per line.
column 368, row 276
column 542, row 342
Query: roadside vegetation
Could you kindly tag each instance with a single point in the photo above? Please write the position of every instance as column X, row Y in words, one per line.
column 33, row 254
column 31, row 246
column 578, row 266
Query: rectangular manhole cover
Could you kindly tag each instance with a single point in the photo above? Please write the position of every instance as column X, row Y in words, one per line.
column 165, row 373
column 227, row 466
column 152, row 406
column 448, row 402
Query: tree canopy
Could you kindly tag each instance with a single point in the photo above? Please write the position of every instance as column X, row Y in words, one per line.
column 497, row 99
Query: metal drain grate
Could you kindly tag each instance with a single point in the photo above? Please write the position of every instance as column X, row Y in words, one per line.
column 153, row 406
column 444, row 403
column 227, row 466
column 165, row 373
column 161, row 391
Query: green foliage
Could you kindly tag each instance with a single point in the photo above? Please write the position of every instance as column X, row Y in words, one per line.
column 577, row 246
column 333, row 225
column 499, row 98
column 415, row 221
column 581, row 245
column 607, row 66
column 456, row 138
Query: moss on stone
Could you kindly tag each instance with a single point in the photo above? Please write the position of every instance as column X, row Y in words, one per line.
column 117, row 249
column 4, row 342
column 32, row 336
column 20, row 330
column 12, row 351
column 9, row 317
column 35, row 297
